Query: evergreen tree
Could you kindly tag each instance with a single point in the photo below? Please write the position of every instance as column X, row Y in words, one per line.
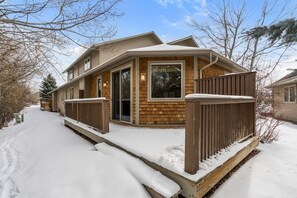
column 47, row 85
column 284, row 31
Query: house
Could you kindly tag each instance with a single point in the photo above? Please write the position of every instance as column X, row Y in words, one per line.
column 144, row 79
column 284, row 97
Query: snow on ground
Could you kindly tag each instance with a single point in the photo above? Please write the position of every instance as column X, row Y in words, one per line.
column 271, row 173
column 43, row 158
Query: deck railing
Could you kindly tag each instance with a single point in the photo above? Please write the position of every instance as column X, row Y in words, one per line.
column 240, row 84
column 214, row 122
column 91, row 111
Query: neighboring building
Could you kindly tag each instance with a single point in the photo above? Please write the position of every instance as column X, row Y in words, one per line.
column 144, row 79
column 284, row 97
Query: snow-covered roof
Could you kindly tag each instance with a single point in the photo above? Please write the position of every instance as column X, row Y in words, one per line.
column 165, row 47
column 189, row 40
column 158, row 50
column 291, row 78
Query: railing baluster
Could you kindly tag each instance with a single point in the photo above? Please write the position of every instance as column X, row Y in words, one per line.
column 213, row 124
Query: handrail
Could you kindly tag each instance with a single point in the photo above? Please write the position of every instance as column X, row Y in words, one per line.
column 91, row 111
column 213, row 122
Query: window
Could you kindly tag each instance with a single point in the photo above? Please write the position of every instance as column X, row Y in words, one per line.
column 70, row 74
column 166, row 81
column 290, row 94
column 71, row 92
column 87, row 64
column 99, row 87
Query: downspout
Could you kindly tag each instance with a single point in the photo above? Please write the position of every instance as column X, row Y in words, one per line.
column 210, row 64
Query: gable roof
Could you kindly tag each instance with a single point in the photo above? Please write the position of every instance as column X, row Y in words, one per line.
column 189, row 39
column 96, row 46
column 157, row 50
column 288, row 79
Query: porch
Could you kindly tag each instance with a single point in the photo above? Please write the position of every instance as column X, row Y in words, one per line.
column 219, row 132
column 164, row 150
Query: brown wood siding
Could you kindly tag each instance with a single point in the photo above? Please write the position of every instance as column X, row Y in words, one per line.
column 164, row 112
column 170, row 112
column 167, row 112
column 133, row 91
column 212, row 71
column 94, row 87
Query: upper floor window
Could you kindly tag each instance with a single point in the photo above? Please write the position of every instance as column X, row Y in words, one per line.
column 70, row 74
column 87, row 63
column 290, row 94
column 166, row 81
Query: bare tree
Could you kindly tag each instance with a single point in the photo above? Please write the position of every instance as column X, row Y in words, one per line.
column 225, row 31
column 33, row 32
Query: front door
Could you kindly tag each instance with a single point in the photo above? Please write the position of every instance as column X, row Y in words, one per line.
column 121, row 95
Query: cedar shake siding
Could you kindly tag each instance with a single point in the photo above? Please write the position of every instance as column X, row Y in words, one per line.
column 151, row 112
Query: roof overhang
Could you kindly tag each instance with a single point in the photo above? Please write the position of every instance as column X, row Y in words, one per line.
column 282, row 83
column 189, row 39
column 156, row 53
column 96, row 46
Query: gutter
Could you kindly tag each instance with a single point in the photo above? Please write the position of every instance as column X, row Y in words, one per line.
column 154, row 53
column 210, row 64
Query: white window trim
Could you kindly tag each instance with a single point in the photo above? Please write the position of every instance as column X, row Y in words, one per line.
column 71, row 72
column 71, row 88
column 289, row 94
column 99, row 77
column 85, row 64
column 149, row 88
column 122, row 67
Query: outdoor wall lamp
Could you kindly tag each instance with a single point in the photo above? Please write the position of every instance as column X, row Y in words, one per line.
column 105, row 84
column 143, row 76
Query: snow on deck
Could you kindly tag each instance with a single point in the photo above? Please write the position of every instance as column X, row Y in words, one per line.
column 165, row 147
column 43, row 158
column 145, row 174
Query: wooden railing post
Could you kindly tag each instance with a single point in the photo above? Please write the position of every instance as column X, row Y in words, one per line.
column 105, row 116
column 192, row 136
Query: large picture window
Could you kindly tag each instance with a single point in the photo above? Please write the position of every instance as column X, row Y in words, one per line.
column 166, row 81
column 290, row 94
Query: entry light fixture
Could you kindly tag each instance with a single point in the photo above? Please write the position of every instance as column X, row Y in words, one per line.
column 105, row 84
column 143, row 76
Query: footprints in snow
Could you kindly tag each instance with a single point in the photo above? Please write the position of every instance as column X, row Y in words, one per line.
column 10, row 157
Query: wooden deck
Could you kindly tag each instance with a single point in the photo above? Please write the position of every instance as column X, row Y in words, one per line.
column 189, row 188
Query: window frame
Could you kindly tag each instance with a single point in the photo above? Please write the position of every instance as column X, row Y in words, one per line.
column 101, row 86
column 71, row 93
column 289, row 94
column 152, row 63
column 88, row 58
column 71, row 76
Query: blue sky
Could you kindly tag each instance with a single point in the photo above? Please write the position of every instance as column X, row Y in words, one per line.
column 169, row 18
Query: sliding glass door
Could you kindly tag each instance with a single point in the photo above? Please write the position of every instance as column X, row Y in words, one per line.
column 121, row 95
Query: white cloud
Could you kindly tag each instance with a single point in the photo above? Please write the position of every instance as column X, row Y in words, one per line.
column 169, row 23
column 191, row 7
column 77, row 51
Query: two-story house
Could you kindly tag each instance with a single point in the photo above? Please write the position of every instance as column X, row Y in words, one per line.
column 284, row 97
column 144, row 79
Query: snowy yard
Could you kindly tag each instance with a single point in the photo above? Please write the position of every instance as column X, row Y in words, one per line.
column 271, row 173
column 43, row 158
